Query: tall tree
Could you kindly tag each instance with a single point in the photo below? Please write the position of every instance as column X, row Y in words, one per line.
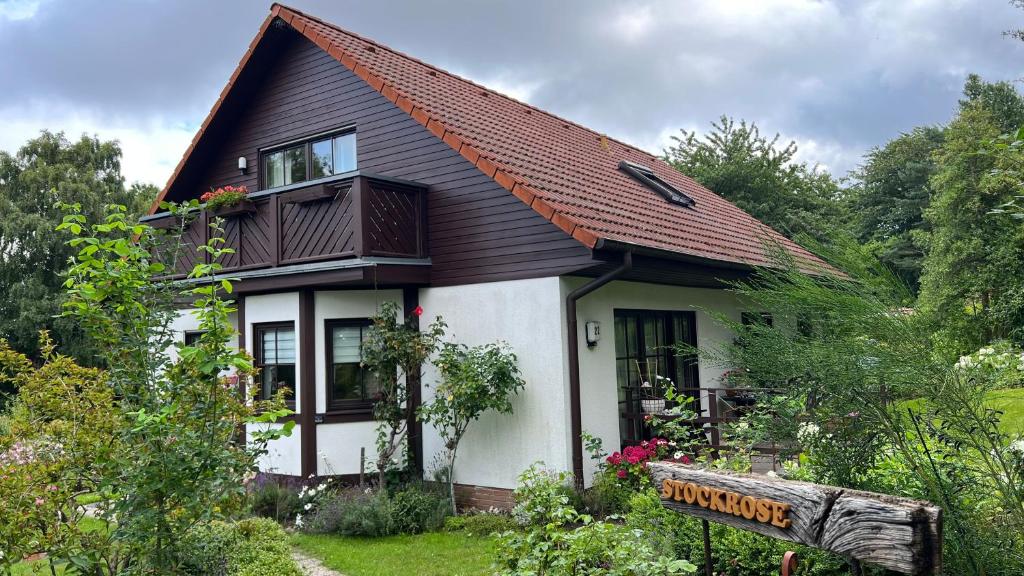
column 761, row 176
column 888, row 198
column 973, row 280
column 46, row 171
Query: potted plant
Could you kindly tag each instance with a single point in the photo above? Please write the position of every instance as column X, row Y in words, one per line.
column 652, row 398
column 228, row 200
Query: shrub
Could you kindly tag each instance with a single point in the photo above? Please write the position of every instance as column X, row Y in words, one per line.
column 251, row 547
column 358, row 512
column 560, row 540
column 607, row 497
column 480, row 523
column 271, row 499
column 415, row 510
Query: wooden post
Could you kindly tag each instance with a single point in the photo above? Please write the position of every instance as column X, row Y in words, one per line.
column 709, row 565
column 900, row 534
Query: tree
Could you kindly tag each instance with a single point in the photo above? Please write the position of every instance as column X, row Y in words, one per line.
column 46, row 171
column 1001, row 99
column 473, row 381
column 395, row 351
column 736, row 162
column 891, row 191
column 973, row 281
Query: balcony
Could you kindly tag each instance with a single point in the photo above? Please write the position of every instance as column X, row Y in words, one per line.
column 355, row 216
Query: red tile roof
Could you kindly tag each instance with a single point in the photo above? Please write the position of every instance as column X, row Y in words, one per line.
column 567, row 173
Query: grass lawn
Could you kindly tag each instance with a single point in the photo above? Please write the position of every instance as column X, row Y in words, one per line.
column 431, row 554
column 1011, row 402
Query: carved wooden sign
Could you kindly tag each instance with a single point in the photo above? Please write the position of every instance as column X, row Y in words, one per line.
column 896, row 533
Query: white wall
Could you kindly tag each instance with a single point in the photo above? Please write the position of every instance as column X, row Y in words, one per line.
column 528, row 315
column 338, row 445
column 598, row 386
column 186, row 321
column 284, row 455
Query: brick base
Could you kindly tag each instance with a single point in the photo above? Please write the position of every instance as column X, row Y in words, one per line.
column 483, row 497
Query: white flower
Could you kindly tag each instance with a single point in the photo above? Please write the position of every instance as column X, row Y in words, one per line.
column 678, row 455
column 298, row 520
column 308, row 506
column 807, row 431
column 987, row 351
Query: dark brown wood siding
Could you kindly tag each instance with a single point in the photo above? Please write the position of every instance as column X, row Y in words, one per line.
column 477, row 231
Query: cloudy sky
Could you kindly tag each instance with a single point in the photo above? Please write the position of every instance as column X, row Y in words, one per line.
column 835, row 76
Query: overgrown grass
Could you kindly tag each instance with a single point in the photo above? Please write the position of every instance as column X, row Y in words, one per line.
column 430, row 554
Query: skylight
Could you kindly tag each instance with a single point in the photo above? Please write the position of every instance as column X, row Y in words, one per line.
column 648, row 178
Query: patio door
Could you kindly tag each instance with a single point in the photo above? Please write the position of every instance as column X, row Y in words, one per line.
column 645, row 347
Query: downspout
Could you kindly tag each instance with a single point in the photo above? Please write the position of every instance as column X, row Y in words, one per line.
column 575, row 411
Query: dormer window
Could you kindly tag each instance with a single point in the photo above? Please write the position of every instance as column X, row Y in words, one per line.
column 313, row 158
column 648, row 178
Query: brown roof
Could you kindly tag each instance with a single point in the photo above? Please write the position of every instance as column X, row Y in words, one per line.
column 567, row 173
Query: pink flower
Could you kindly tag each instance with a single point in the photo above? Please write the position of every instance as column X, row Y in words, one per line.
column 51, row 488
column 685, row 459
column 40, row 501
column 621, row 474
column 418, row 311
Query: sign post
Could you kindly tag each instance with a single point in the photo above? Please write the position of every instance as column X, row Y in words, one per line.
column 899, row 534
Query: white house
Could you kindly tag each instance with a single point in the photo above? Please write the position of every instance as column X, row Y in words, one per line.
column 374, row 176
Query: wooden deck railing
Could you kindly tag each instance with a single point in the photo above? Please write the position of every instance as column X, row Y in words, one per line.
column 355, row 217
column 714, row 406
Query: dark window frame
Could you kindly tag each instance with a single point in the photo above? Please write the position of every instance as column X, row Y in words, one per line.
column 632, row 428
column 359, row 410
column 191, row 337
column 648, row 178
column 307, row 143
column 257, row 338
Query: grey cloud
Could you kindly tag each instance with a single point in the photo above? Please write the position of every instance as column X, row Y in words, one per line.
column 844, row 75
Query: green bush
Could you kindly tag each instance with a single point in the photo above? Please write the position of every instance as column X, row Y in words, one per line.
column 251, row 547
column 607, row 497
column 356, row 512
column 557, row 539
column 270, row 499
column 480, row 524
column 416, row 510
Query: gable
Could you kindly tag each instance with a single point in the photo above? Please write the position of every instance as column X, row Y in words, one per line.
column 477, row 230
column 564, row 172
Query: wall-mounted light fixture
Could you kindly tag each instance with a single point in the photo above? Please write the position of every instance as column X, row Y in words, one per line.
column 243, row 164
column 593, row 333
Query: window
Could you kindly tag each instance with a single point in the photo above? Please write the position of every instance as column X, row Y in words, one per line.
column 648, row 178
column 275, row 357
column 648, row 339
column 192, row 337
column 350, row 386
column 326, row 156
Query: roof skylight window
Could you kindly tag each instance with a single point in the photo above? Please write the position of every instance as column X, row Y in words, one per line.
column 648, row 178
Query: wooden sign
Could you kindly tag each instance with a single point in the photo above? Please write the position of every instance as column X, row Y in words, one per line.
column 896, row 533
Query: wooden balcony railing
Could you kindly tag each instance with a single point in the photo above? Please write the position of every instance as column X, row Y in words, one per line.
column 352, row 217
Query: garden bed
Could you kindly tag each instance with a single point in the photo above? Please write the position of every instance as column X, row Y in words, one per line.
column 429, row 554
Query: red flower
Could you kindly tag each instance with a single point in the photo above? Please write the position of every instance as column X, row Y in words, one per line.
column 621, row 473
column 418, row 311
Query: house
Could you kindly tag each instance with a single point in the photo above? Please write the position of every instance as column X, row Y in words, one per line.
column 375, row 176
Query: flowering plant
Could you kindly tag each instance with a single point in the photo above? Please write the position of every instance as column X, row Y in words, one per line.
column 224, row 196
column 1000, row 360
column 630, row 465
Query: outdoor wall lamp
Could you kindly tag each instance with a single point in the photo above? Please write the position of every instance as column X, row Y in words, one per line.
column 593, row 329
column 243, row 164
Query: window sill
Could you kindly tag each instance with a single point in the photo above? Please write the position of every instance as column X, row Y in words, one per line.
column 339, row 415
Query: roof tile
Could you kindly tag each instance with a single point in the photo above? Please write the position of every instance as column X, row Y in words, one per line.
column 566, row 172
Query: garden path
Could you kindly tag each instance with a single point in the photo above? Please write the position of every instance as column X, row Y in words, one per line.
column 311, row 566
